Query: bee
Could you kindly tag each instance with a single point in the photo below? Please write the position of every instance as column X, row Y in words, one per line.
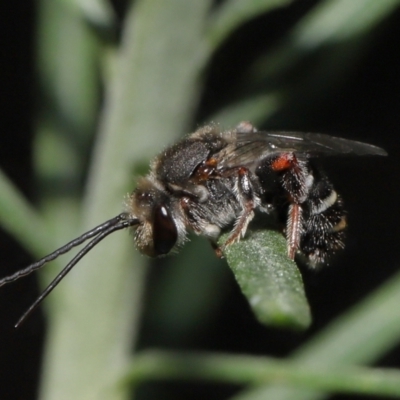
column 215, row 180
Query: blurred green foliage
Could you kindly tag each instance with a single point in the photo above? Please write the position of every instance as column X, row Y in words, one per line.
column 107, row 106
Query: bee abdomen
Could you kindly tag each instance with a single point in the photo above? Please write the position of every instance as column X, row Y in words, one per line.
column 324, row 223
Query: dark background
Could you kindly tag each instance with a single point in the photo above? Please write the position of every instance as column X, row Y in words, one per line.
column 365, row 107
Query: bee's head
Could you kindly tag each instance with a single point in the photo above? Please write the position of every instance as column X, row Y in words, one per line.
column 156, row 233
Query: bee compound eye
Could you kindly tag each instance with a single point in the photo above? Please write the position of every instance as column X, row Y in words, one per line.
column 165, row 233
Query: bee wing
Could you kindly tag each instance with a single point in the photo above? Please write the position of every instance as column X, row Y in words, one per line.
column 250, row 148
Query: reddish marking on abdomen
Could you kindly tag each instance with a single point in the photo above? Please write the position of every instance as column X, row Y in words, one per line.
column 283, row 162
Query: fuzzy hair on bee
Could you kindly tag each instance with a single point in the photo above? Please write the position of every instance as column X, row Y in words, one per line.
column 215, row 180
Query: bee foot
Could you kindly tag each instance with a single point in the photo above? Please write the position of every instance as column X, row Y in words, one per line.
column 219, row 251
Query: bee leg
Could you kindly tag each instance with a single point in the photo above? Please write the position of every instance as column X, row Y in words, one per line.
column 294, row 229
column 297, row 180
column 216, row 248
column 248, row 200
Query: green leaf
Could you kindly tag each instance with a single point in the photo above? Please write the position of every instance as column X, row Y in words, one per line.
column 362, row 335
column 330, row 25
column 234, row 13
column 269, row 279
column 251, row 370
column 20, row 219
column 148, row 101
column 98, row 12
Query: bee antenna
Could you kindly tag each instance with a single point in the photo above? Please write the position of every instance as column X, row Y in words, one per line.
column 122, row 221
column 64, row 249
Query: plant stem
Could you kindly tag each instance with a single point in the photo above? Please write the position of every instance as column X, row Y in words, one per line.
column 251, row 370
